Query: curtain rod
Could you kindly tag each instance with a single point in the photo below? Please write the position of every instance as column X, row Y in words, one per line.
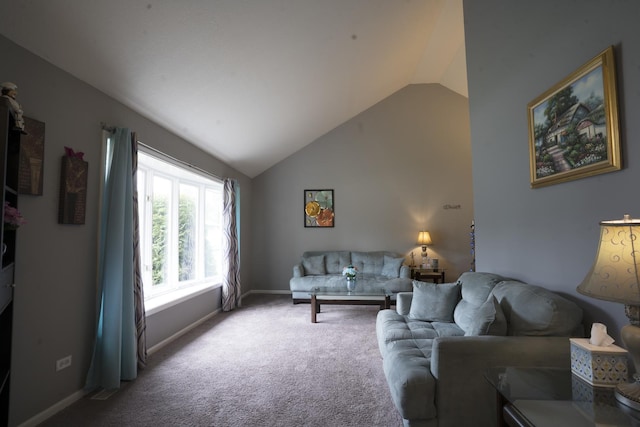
column 108, row 128
column 182, row 162
column 112, row 129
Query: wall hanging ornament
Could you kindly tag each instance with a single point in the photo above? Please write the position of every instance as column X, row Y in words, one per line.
column 73, row 188
column 8, row 95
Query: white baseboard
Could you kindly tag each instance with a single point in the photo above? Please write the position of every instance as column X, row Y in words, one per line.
column 57, row 407
column 280, row 292
column 181, row 332
column 52, row 410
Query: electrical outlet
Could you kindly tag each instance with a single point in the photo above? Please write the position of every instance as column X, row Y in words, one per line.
column 63, row 363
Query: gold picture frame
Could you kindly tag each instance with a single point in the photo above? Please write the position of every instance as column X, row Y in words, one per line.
column 573, row 127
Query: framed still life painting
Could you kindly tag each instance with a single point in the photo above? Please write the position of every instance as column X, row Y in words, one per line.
column 573, row 127
column 318, row 208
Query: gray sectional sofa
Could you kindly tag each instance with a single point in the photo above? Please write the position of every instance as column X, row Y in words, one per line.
column 441, row 339
column 376, row 270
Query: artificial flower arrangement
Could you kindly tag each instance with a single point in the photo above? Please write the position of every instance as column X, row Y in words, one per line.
column 12, row 217
column 350, row 271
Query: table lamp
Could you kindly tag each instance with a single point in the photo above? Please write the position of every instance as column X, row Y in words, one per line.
column 615, row 276
column 424, row 239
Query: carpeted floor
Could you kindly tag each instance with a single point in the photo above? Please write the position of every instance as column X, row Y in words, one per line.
column 264, row 364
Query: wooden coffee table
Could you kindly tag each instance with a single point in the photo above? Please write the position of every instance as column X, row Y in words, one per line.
column 328, row 295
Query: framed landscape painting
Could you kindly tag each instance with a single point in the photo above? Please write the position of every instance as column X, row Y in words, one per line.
column 318, row 208
column 573, row 127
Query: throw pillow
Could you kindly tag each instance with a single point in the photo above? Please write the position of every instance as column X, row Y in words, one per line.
column 391, row 266
column 434, row 303
column 489, row 319
column 314, row 265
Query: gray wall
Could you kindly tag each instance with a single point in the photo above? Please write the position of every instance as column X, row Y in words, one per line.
column 515, row 52
column 393, row 168
column 54, row 313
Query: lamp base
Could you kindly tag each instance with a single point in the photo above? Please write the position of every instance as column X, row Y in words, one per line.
column 629, row 394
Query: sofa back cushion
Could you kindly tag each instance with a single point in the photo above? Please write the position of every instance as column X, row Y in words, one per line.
column 314, row 265
column 488, row 319
column 334, row 261
column 391, row 266
column 476, row 286
column 434, row 303
column 536, row 311
column 368, row 262
column 475, row 312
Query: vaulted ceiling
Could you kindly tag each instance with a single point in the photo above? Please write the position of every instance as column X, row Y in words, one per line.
column 249, row 81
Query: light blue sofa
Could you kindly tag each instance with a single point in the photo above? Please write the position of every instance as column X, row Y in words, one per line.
column 440, row 340
column 376, row 270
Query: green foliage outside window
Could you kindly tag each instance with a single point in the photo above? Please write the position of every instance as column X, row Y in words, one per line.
column 186, row 238
column 159, row 240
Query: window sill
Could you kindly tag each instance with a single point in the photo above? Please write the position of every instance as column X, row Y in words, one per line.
column 162, row 302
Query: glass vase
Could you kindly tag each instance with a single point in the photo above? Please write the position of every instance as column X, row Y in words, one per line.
column 351, row 284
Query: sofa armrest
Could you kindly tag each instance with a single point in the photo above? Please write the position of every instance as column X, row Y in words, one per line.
column 403, row 302
column 298, row 270
column 459, row 365
column 405, row 272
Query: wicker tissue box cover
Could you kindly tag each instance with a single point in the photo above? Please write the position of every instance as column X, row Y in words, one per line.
column 600, row 366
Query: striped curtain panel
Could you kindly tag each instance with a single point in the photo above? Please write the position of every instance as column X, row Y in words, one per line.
column 231, row 246
column 138, row 288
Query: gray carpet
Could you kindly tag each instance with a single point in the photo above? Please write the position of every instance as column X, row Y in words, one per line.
column 264, row 364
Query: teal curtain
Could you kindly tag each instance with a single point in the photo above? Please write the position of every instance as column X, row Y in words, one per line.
column 116, row 350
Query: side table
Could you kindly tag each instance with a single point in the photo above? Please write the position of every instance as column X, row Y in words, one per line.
column 436, row 276
column 554, row 397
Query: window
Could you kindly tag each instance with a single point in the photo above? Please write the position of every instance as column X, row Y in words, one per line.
column 180, row 229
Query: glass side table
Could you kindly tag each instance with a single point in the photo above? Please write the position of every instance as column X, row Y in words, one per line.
column 554, row 397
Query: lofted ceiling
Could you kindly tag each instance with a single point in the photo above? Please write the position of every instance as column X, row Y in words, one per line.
column 249, row 81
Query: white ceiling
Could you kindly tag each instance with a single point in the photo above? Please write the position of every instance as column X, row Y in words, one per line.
column 250, row 81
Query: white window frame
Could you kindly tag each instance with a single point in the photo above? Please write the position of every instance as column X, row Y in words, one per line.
column 174, row 292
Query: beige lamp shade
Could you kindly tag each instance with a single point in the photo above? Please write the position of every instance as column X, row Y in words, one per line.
column 614, row 275
column 424, row 238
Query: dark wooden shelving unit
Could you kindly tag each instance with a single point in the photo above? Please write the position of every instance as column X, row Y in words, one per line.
column 9, row 160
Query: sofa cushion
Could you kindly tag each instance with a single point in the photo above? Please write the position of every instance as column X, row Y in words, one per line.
column 334, row 261
column 368, row 262
column 447, row 329
column 408, row 374
column 535, row 311
column 314, row 265
column 476, row 286
column 434, row 302
column 488, row 320
column 391, row 266
column 392, row 328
